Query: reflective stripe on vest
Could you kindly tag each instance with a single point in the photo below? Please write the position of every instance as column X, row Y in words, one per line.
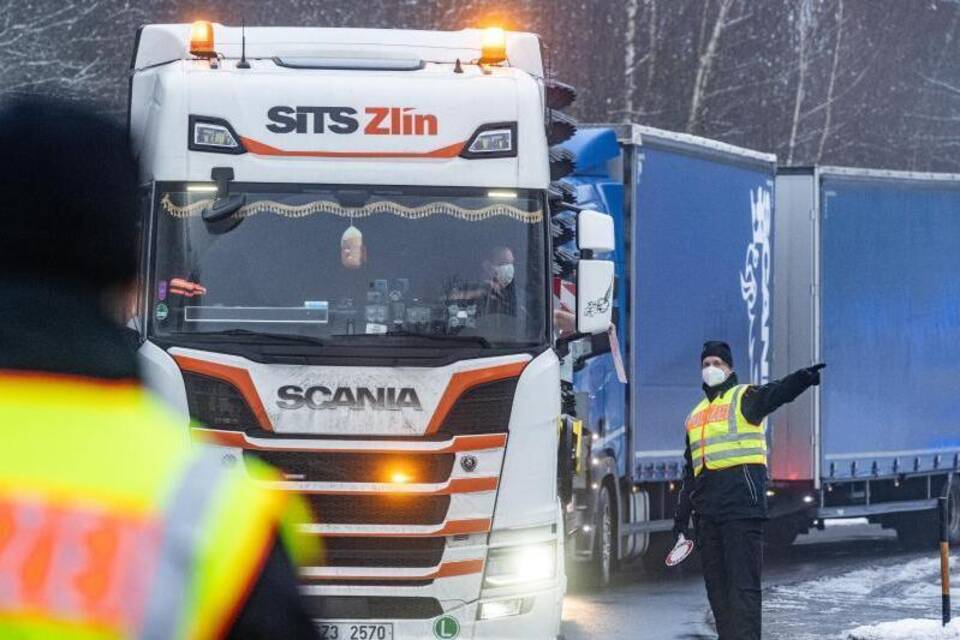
column 720, row 437
column 184, row 522
column 113, row 526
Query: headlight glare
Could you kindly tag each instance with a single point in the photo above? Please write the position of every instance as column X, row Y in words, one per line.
column 504, row 608
column 509, row 566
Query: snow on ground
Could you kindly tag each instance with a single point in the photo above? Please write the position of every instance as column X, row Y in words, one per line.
column 911, row 629
column 888, row 591
column 916, row 582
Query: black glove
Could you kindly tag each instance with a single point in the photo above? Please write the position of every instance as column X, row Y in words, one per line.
column 678, row 528
column 811, row 375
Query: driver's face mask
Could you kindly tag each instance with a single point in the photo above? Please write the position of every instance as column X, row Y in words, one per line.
column 504, row 274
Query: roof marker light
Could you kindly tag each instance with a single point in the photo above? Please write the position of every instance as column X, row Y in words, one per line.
column 201, row 39
column 493, row 46
column 502, row 194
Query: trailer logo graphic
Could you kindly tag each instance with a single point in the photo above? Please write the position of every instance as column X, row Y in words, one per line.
column 377, row 121
column 319, row 397
column 755, row 285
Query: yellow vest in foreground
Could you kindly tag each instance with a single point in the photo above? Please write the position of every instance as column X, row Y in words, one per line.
column 113, row 526
column 720, row 437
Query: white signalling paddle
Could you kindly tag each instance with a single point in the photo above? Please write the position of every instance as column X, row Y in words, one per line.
column 680, row 551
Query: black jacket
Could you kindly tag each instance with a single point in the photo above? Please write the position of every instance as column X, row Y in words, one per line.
column 738, row 492
column 50, row 328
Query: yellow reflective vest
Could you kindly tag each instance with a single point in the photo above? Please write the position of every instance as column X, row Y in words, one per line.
column 720, row 437
column 113, row 526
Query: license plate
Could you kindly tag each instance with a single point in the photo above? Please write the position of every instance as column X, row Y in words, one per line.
column 337, row 630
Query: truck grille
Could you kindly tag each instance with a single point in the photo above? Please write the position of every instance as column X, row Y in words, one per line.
column 379, row 509
column 372, row 608
column 383, row 552
column 217, row 403
column 312, row 466
column 485, row 408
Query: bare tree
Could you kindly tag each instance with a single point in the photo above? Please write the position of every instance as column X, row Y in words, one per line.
column 805, row 23
column 653, row 17
column 866, row 82
column 832, row 85
column 630, row 58
column 31, row 52
column 706, row 62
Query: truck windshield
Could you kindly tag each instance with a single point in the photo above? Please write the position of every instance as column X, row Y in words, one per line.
column 328, row 264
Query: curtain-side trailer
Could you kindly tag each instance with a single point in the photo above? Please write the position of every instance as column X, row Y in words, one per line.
column 694, row 263
column 867, row 280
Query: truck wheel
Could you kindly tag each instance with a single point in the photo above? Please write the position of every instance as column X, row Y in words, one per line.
column 601, row 561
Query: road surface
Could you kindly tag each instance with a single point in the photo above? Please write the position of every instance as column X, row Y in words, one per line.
column 828, row 582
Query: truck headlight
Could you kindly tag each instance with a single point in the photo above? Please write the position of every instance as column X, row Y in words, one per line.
column 498, row 140
column 214, row 135
column 494, row 609
column 509, row 566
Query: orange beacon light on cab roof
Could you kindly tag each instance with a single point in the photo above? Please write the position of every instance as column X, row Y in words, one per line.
column 201, row 39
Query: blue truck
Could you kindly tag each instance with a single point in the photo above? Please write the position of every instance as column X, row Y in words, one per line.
column 867, row 280
column 791, row 266
column 693, row 262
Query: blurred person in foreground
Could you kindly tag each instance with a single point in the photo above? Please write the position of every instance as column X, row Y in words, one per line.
column 111, row 524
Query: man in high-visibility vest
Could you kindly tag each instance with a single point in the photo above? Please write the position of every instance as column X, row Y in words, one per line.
column 725, row 484
column 111, row 524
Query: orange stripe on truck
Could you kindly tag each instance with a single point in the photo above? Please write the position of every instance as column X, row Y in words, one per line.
column 451, row 528
column 240, row 440
column 445, row 570
column 456, row 485
column 263, row 149
column 236, row 376
column 463, row 381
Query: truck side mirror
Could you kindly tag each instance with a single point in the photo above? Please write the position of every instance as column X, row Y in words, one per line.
column 594, row 231
column 218, row 217
column 594, row 296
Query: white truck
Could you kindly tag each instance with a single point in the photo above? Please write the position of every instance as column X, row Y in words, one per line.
column 347, row 272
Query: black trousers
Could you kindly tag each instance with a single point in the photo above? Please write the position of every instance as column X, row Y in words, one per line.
column 732, row 558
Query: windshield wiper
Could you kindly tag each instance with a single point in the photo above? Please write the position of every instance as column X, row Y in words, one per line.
column 247, row 333
column 476, row 340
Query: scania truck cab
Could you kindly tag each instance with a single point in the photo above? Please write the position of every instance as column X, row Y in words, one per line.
column 347, row 273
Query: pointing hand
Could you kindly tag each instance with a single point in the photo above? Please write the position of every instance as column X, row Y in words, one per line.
column 812, row 374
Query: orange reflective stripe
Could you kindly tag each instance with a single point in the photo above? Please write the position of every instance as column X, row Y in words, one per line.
column 74, row 563
column 713, row 413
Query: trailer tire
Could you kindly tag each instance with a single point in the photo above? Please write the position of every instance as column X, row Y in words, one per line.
column 600, row 566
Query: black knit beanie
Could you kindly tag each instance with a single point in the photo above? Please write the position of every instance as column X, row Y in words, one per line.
column 719, row 349
column 68, row 195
